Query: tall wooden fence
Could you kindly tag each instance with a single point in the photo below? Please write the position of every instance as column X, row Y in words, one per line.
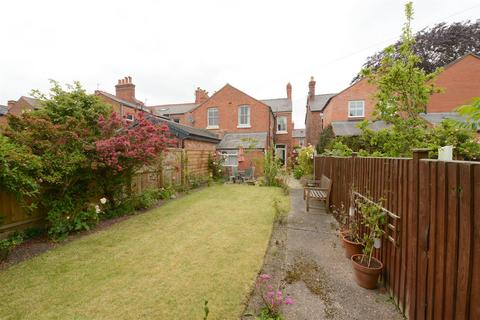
column 173, row 169
column 432, row 259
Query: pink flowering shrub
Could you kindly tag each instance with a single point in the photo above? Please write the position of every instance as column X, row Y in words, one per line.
column 126, row 146
column 272, row 297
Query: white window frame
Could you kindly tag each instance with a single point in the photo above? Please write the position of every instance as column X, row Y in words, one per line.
column 227, row 154
column 247, row 124
column 354, row 104
column 212, row 126
column 130, row 117
column 286, row 125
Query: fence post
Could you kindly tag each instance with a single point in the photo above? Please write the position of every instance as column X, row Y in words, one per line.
column 415, row 281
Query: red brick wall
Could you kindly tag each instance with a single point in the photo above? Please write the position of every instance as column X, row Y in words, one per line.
column 312, row 127
column 337, row 109
column 119, row 109
column 461, row 83
column 285, row 138
column 227, row 100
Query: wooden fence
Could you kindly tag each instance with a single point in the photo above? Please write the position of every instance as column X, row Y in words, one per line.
column 432, row 259
column 172, row 169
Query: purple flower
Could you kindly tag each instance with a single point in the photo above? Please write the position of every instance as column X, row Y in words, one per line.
column 288, row 301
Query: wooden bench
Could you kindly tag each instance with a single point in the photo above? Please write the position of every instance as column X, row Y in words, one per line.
column 317, row 190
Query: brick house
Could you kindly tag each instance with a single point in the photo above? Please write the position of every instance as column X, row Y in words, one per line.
column 460, row 81
column 314, row 113
column 298, row 138
column 246, row 125
column 126, row 105
column 17, row 107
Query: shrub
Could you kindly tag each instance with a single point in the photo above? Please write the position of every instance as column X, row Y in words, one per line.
column 325, row 139
column 339, row 149
column 304, row 162
column 271, row 168
column 298, row 172
column 215, row 166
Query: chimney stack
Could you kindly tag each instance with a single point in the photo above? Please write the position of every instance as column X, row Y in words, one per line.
column 125, row 89
column 311, row 88
column 11, row 104
column 289, row 91
column 200, row 95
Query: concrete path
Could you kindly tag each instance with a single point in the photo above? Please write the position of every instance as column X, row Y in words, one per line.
column 319, row 277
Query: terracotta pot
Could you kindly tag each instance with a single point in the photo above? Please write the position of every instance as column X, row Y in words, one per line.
column 341, row 234
column 366, row 277
column 351, row 247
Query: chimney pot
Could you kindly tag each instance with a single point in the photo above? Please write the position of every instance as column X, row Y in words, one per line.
column 11, row 103
column 200, row 95
column 125, row 90
column 311, row 88
column 289, row 91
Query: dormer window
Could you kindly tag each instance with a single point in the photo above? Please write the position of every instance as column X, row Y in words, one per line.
column 244, row 117
column 130, row 117
column 356, row 109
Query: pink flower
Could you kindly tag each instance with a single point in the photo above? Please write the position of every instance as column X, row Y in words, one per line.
column 265, row 277
column 288, row 301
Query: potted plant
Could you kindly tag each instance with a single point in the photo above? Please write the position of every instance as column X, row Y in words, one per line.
column 351, row 240
column 366, row 268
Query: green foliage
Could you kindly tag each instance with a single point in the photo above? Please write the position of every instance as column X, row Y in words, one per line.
column 304, row 162
column 206, row 310
column 271, row 168
column 459, row 135
column 6, row 245
column 403, row 88
column 215, row 166
column 298, row 172
column 472, row 112
column 339, row 149
column 403, row 91
column 265, row 314
column 373, row 218
column 281, row 210
column 61, row 135
column 19, row 171
column 196, row 181
column 146, row 199
column 325, row 139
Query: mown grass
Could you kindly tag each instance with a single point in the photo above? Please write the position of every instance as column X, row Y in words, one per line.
column 159, row 265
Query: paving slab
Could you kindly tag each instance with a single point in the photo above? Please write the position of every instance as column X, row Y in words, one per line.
column 318, row 275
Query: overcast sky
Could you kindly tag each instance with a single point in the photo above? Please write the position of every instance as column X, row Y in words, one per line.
column 171, row 47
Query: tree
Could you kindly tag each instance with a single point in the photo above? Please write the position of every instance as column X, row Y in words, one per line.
column 436, row 46
column 125, row 148
column 325, row 138
column 62, row 135
column 472, row 112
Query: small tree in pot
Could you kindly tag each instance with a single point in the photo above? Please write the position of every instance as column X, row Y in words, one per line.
column 367, row 269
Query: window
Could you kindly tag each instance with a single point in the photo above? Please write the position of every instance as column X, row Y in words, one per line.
column 281, row 124
column 176, row 120
column 212, row 115
column 244, row 117
column 130, row 117
column 231, row 158
column 356, row 109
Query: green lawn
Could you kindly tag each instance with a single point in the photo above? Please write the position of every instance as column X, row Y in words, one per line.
column 159, row 265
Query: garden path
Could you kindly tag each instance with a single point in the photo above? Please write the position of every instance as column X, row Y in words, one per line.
column 319, row 278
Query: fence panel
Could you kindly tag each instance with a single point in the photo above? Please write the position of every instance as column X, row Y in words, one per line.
column 431, row 269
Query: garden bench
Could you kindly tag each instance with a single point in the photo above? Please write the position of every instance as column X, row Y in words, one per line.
column 317, row 190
